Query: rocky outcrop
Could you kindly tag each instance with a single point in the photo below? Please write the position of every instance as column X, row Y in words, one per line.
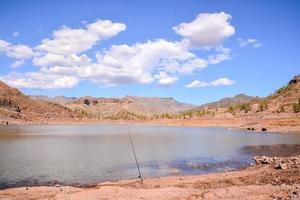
column 279, row 163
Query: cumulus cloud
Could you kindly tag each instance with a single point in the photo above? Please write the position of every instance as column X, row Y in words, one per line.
column 38, row 80
column 63, row 62
column 218, row 82
column 20, row 52
column 253, row 42
column 17, row 63
column 207, row 30
column 165, row 79
column 4, row 46
column 16, row 51
column 68, row 41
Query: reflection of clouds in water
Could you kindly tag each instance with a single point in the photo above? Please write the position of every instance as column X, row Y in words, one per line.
column 95, row 153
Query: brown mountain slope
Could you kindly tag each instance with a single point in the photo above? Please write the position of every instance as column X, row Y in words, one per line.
column 128, row 107
column 15, row 106
column 229, row 101
column 285, row 100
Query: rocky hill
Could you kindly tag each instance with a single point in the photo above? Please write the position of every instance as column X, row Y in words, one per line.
column 16, row 106
column 283, row 105
column 285, row 100
column 59, row 99
column 128, row 107
column 229, row 101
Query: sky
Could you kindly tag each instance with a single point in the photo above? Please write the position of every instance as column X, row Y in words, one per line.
column 195, row 51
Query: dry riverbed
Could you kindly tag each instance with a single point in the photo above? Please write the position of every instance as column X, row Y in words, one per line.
column 269, row 178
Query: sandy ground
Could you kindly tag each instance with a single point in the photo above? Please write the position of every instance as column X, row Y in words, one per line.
column 271, row 178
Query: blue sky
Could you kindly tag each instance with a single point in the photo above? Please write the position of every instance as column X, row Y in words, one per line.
column 194, row 51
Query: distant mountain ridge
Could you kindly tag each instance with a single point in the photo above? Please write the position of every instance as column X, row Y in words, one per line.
column 101, row 107
column 16, row 106
column 230, row 101
column 285, row 100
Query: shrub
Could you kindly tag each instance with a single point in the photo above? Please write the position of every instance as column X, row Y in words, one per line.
column 86, row 102
column 246, row 107
column 263, row 105
column 281, row 108
column 296, row 107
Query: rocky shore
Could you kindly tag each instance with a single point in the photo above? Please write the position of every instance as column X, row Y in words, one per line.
column 268, row 178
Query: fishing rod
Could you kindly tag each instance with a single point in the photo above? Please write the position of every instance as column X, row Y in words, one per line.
column 136, row 161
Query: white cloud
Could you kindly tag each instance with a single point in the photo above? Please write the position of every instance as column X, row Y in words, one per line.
column 68, row 41
column 20, row 52
column 254, row 42
column 222, row 81
column 222, row 55
column 37, row 80
column 17, row 63
column 4, row 46
column 138, row 63
column 207, row 30
column 15, row 34
column 63, row 61
column 165, row 79
column 218, row 82
column 196, row 84
column 50, row 59
column 16, row 51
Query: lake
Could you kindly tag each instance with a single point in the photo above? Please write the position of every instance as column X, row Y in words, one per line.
column 88, row 154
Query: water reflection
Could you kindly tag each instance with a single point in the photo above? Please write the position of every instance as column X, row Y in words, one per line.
column 88, row 154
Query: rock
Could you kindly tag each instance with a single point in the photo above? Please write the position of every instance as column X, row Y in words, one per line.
column 262, row 159
column 280, row 166
column 264, row 129
column 174, row 171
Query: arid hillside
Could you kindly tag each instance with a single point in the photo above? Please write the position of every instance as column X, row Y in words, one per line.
column 284, row 100
column 279, row 111
column 15, row 106
column 127, row 108
column 229, row 101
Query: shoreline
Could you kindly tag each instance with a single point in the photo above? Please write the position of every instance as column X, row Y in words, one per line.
column 269, row 178
column 272, row 125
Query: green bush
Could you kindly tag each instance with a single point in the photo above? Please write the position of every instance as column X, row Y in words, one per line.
column 263, row 105
column 231, row 109
column 246, row 107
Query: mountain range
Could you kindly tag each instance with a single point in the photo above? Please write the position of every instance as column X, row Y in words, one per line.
column 17, row 107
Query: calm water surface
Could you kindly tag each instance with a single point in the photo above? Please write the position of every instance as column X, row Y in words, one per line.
column 88, row 154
